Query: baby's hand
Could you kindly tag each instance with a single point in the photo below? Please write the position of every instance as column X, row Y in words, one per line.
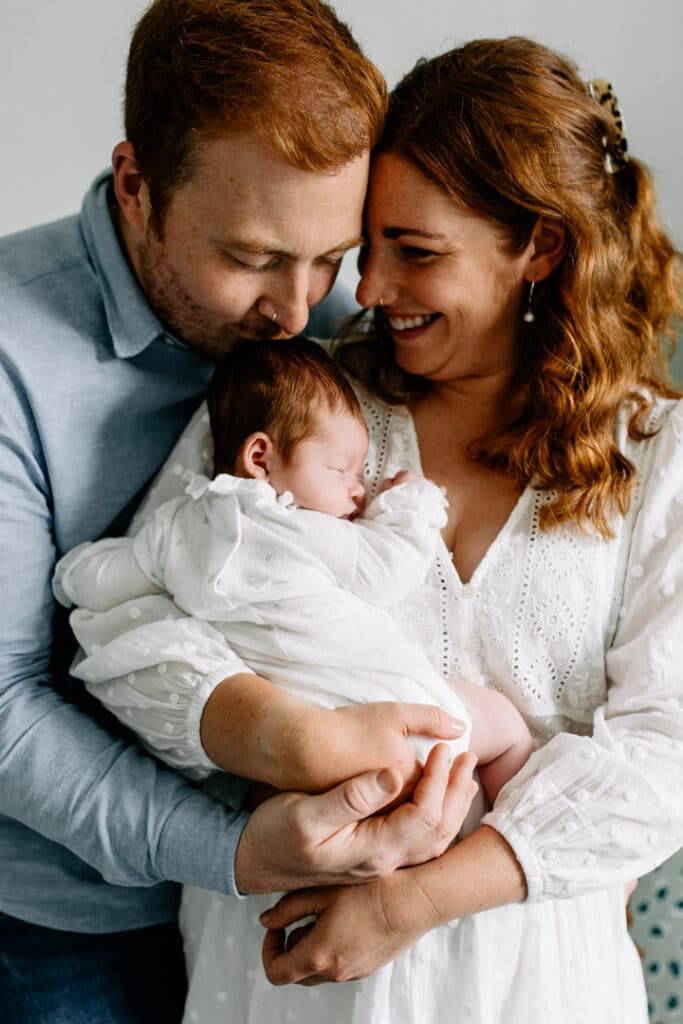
column 404, row 476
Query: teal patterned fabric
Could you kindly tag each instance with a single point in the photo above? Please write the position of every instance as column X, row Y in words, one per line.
column 657, row 929
column 657, row 904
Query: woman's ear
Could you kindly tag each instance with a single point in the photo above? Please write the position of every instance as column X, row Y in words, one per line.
column 547, row 246
column 255, row 457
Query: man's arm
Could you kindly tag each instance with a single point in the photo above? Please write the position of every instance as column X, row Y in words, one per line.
column 63, row 775
column 115, row 807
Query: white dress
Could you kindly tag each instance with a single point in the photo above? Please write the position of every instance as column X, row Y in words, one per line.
column 301, row 597
column 586, row 637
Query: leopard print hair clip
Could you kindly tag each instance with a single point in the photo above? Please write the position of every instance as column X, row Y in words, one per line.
column 616, row 155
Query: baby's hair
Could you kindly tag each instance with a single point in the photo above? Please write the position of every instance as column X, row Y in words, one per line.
column 278, row 387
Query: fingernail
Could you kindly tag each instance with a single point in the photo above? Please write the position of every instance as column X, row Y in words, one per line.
column 385, row 780
column 457, row 726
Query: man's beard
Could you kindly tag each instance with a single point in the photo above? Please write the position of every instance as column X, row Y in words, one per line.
column 184, row 318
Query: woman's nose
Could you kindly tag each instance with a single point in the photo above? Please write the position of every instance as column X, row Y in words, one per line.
column 375, row 287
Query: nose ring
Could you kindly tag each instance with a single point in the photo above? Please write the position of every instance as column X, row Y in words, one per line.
column 274, row 316
column 381, row 301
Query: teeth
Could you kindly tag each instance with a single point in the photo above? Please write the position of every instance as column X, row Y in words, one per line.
column 405, row 323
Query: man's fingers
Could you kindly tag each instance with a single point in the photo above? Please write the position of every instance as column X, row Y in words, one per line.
column 355, row 799
column 436, row 812
column 430, row 790
column 461, row 789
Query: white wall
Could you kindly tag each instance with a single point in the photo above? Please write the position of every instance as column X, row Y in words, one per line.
column 62, row 66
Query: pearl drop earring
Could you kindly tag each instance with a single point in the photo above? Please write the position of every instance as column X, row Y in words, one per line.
column 529, row 316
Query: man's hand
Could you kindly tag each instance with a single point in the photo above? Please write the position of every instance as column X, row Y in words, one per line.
column 293, row 841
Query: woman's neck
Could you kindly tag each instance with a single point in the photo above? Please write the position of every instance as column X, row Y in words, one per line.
column 472, row 407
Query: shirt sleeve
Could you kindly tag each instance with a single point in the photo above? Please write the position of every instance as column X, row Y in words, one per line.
column 588, row 812
column 63, row 775
column 396, row 542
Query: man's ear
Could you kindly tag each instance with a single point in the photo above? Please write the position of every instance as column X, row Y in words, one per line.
column 547, row 246
column 132, row 193
column 255, row 456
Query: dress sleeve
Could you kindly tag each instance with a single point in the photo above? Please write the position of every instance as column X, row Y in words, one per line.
column 588, row 812
column 151, row 664
column 64, row 776
column 396, row 542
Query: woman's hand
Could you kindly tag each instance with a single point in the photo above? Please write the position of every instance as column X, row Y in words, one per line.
column 254, row 729
column 338, row 744
column 358, row 929
column 392, row 913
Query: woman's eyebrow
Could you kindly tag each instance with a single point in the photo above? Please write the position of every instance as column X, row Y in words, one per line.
column 399, row 232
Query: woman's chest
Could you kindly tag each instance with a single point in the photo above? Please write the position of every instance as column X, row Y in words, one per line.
column 538, row 610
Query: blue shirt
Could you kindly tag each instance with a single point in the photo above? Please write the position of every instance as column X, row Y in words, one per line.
column 93, row 831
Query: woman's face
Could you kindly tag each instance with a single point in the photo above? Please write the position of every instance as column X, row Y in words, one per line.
column 452, row 291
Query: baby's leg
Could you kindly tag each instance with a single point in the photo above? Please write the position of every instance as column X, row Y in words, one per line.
column 500, row 737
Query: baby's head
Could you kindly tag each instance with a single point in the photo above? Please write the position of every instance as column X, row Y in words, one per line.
column 282, row 411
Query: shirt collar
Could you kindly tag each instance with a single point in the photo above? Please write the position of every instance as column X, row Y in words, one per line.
column 132, row 323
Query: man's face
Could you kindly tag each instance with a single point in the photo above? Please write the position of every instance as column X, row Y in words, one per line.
column 245, row 238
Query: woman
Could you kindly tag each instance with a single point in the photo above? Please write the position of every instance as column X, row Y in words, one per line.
column 522, row 285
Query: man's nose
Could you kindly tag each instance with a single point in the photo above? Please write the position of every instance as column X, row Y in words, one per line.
column 290, row 302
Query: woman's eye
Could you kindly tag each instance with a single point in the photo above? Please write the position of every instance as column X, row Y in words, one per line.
column 414, row 252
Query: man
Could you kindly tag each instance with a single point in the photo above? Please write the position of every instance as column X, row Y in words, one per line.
column 231, row 203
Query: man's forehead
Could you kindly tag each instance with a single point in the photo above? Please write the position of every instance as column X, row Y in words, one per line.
column 244, row 165
column 243, row 194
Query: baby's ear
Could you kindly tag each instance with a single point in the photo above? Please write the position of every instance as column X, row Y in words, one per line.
column 255, row 456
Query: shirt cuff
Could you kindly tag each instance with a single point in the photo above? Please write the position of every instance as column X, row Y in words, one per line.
column 199, row 842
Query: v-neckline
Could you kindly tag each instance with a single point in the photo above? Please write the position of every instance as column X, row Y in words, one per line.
column 442, row 550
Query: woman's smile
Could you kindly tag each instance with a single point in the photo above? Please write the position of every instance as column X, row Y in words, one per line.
column 410, row 325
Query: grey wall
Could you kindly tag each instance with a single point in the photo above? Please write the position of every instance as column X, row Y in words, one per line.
column 62, row 66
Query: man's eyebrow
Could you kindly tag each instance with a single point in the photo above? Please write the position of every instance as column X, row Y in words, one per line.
column 264, row 249
column 400, row 232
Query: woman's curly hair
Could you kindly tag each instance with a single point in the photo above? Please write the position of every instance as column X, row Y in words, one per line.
column 507, row 128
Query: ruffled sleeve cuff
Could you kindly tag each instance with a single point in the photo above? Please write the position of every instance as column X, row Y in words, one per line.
column 406, row 501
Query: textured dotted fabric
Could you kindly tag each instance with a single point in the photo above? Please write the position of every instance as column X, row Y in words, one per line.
column 657, row 930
